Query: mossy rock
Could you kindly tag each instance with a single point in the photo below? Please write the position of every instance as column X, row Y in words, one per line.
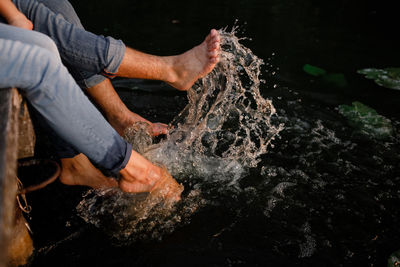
column 389, row 77
column 366, row 120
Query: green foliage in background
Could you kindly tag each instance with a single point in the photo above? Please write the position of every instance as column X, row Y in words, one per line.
column 389, row 77
column 337, row 79
column 313, row 70
column 366, row 120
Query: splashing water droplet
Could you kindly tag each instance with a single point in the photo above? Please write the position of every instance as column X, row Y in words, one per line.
column 221, row 133
column 226, row 125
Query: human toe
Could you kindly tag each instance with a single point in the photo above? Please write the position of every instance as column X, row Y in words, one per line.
column 213, row 54
column 213, row 46
column 159, row 128
column 214, row 33
column 214, row 60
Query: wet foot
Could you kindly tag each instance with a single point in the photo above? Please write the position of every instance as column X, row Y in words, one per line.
column 196, row 63
column 80, row 171
column 116, row 112
column 140, row 175
column 167, row 187
column 128, row 118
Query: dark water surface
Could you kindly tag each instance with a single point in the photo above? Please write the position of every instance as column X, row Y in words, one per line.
column 322, row 196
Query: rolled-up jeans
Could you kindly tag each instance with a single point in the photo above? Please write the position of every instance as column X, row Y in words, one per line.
column 29, row 61
column 90, row 58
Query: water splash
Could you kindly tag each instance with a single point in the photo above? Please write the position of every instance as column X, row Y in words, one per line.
column 226, row 125
column 216, row 138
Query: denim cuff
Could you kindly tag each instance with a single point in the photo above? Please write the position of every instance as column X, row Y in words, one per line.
column 115, row 171
column 116, row 52
column 91, row 81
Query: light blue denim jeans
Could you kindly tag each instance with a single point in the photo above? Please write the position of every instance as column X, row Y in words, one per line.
column 90, row 58
column 29, row 60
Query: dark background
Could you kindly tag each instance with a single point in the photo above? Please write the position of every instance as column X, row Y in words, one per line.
column 339, row 36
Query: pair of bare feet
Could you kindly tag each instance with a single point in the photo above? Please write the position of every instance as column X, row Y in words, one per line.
column 140, row 175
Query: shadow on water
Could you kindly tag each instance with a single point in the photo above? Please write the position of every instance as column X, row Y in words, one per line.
column 324, row 195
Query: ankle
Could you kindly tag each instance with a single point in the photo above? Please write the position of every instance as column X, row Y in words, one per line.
column 118, row 122
column 68, row 167
column 122, row 120
column 173, row 69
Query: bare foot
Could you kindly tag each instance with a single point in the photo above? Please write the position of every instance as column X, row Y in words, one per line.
column 167, row 187
column 116, row 112
column 197, row 62
column 128, row 118
column 121, row 118
column 140, row 175
column 180, row 71
column 80, row 171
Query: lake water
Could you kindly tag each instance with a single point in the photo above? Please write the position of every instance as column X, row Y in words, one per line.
column 322, row 194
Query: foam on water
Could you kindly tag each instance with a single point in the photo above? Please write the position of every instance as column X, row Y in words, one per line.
column 216, row 138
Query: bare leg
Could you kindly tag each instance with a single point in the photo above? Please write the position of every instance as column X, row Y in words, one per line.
column 117, row 114
column 180, row 71
column 80, row 171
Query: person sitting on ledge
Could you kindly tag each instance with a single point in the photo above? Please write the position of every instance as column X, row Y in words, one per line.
column 31, row 61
